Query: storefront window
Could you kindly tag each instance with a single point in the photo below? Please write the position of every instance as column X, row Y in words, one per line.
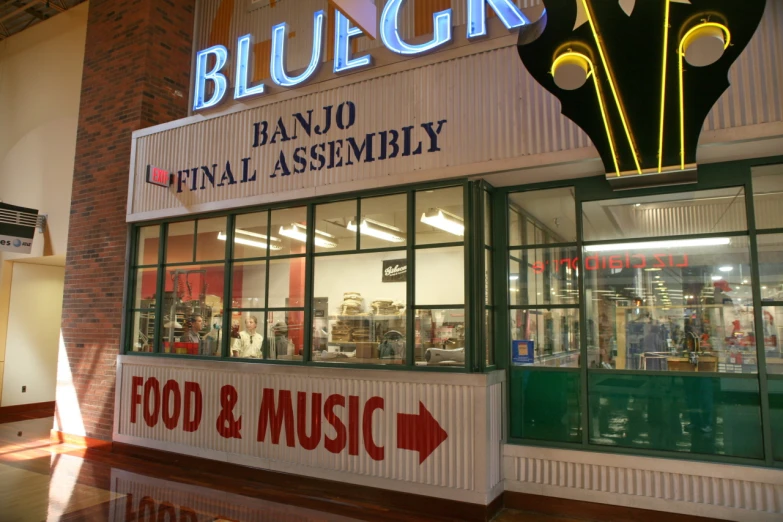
column 545, row 337
column 440, row 337
column 209, row 246
column 440, row 216
column 773, row 338
column 546, row 276
column 285, row 335
column 146, row 286
column 384, row 222
column 335, row 225
column 290, row 227
column 770, row 249
column 147, row 244
column 489, row 281
column 440, row 276
column 251, row 236
column 768, row 196
column 180, row 242
column 542, row 217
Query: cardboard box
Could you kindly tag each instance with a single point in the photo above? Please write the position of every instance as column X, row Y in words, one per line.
column 366, row 350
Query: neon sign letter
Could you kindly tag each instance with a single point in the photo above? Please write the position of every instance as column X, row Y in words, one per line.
column 508, row 13
column 241, row 88
column 342, row 49
column 279, row 34
column 390, row 32
column 221, row 57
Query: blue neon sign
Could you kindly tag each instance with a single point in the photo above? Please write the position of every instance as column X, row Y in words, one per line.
column 279, row 36
column 342, row 46
column 390, row 31
column 511, row 16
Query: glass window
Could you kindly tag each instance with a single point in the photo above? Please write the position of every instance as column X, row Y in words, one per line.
column 285, row 336
column 384, row 222
column 545, row 405
column 676, row 305
column 773, row 338
column 143, row 327
column 251, row 236
column 775, row 387
column 685, row 213
column 290, row 225
column 247, row 335
column 335, row 226
column 440, row 216
column 543, row 276
column 249, row 285
column 770, row 249
column 147, row 245
column 768, row 196
column 440, row 337
column 146, row 288
column 542, row 217
column 209, row 246
column 360, row 308
column 440, row 276
column 287, row 283
column 545, row 337
column 180, row 242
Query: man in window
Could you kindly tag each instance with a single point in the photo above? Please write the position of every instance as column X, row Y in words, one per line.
column 248, row 346
column 192, row 333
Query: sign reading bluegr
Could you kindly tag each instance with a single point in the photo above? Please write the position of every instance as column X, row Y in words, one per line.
column 322, row 140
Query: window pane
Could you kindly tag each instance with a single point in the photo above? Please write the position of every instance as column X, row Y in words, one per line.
column 143, row 327
column 545, row 337
column 686, row 213
column 543, row 276
column 542, row 216
column 440, row 216
column 384, row 222
column 247, row 335
column 336, row 226
column 287, row 283
column 360, row 309
column 147, row 246
column 770, row 249
column 678, row 305
column 285, row 337
column 249, row 285
column 440, row 338
column 290, row 225
column 209, row 246
column 489, row 337
column 545, row 405
column 773, row 338
column 179, row 242
column 251, row 236
column 689, row 413
column 440, row 276
column 768, row 196
column 487, row 219
column 146, row 288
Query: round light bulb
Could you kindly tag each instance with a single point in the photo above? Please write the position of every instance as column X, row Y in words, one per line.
column 570, row 71
column 704, row 46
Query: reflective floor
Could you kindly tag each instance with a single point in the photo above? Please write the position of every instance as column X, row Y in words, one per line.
column 44, row 481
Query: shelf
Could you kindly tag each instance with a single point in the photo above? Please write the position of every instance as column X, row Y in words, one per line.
column 367, row 317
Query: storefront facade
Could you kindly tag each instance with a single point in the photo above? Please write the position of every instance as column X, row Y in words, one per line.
column 414, row 276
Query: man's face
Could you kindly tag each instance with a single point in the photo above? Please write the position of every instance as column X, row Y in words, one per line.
column 250, row 324
column 198, row 324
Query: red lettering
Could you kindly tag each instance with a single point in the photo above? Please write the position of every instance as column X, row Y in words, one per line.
column 566, row 262
column 135, row 397
column 615, row 262
column 594, row 259
column 147, row 509
column 187, row 515
column 627, row 260
column 337, row 444
column 538, row 267
column 151, row 387
column 171, row 418
column 166, row 512
column 574, row 263
column 684, row 261
column 660, row 263
column 130, row 511
column 643, row 262
column 226, row 425
column 353, row 425
column 375, row 452
column 284, row 413
column 193, row 406
column 603, row 262
column 308, row 442
column 671, row 260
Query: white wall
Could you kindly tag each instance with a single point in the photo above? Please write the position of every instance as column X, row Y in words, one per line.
column 33, row 333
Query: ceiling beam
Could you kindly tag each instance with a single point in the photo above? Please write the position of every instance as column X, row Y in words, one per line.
column 22, row 9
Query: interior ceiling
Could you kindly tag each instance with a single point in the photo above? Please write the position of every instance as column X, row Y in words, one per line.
column 18, row 15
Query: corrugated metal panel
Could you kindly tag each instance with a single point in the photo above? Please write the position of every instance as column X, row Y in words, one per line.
column 586, row 475
column 450, row 466
column 496, row 415
column 456, row 90
column 756, row 92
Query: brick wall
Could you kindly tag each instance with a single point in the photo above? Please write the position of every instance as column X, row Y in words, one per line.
column 136, row 74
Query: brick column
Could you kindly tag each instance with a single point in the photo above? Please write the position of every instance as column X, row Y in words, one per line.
column 136, row 74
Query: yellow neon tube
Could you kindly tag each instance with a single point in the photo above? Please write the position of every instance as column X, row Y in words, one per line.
column 681, row 54
column 663, row 83
column 598, row 95
column 611, row 85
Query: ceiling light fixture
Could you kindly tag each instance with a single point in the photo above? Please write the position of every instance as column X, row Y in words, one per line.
column 439, row 218
column 251, row 242
column 378, row 230
column 299, row 233
column 677, row 243
column 726, row 268
column 717, row 278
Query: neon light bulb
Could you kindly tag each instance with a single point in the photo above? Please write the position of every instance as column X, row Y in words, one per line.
column 378, row 230
column 342, row 46
column 390, row 30
column 299, row 233
column 241, row 89
column 279, row 36
column 681, row 243
column 511, row 16
column 221, row 57
column 443, row 220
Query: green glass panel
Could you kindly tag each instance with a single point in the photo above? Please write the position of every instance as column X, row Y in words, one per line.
column 545, row 405
column 775, row 387
column 689, row 414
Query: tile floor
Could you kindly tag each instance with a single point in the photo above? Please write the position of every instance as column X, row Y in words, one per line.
column 40, row 481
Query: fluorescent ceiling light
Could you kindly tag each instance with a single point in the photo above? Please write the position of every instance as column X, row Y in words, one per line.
column 251, row 242
column 378, row 230
column 717, row 278
column 513, row 278
column 677, row 243
column 439, row 218
column 299, row 232
column 726, row 268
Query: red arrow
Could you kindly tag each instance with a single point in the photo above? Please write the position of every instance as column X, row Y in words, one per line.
column 420, row 433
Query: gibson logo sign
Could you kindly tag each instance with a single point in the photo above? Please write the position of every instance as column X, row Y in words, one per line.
column 395, row 271
column 511, row 16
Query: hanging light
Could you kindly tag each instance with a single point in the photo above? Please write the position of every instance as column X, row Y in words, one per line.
column 379, row 230
column 439, row 218
column 252, row 242
column 299, row 232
